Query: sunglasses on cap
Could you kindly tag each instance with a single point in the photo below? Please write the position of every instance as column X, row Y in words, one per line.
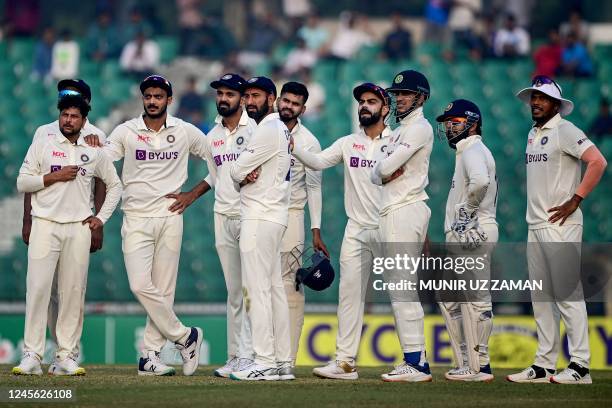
column 540, row 80
column 67, row 92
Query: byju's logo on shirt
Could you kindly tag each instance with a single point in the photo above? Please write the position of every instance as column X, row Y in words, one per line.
column 144, row 155
column 218, row 160
column 55, row 167
column 356, row 162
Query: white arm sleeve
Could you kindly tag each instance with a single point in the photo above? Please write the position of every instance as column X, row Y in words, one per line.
column 30, row 178
column 314, row 180
column 107, row 173
column 477, row 175
column 405, row 148
column 261, row 148
column 323, row 160
column 114, row 147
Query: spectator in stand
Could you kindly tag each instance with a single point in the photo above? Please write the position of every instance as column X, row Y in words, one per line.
column 436, row 20
column 547, row 58
column 136, row 24
column 140, row 57
column 190, row 22
column 511, row 40
column 191, row 101
column 264, row 35
column 520, row 9
column 299, row 58
column 316, row 96
column 398, row 43
column 102, row 40
column 43, row 56
column 296, row 8
column 577, row 26
column 575, row 59
column 486, row 39
column 65, row 57
column 353, row 33
column 22, row 17
column 462, row 22
column 602, row 124
column 313, row 33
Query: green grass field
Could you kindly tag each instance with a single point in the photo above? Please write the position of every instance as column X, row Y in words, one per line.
column 118, row 386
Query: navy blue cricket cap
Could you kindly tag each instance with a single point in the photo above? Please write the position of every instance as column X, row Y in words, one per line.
column 370, row 87
column 156, row 81
column 410, row 80
column 461, row 108
column 80, row 85
column 262, row 83
column 232, row 81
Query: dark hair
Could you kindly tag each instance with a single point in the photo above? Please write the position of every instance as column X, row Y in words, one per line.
column 295, row 88
column 74, row 102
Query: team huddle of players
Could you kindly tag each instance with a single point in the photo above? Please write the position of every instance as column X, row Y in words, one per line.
column 264, row 166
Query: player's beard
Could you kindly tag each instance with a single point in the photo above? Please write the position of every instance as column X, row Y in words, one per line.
column 287, row 115
column 69, row 133
column 225, row 109
column 162, row 112
column 369, row 120
column 259, row 113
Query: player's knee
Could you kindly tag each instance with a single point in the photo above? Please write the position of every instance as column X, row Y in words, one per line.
column 140, row 288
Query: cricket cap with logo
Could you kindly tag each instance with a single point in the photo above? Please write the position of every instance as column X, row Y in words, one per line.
column 410, row 80
column 547, row 86
column 370, row 87
column 231, row 81
column 263, row 83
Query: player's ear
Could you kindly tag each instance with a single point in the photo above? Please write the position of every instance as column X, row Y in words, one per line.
column 385, row 110
column 170, row 100
column 303, row 109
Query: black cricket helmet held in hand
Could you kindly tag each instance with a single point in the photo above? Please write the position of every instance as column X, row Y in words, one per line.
column 316, row 271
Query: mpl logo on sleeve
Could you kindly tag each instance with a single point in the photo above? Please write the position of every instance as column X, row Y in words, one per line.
column 58, row 154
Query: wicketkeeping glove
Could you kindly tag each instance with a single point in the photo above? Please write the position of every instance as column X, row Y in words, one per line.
column 466, row 228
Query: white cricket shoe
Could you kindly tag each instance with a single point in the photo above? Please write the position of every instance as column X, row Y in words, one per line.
column 256, row 372
column 152, row 365
column 529, row 375
column 230, row 366
column 571, row 376
column 54, row 368
column 408, row 373
column 68, row 366
column 190, row 351
column 285, row 372
column 29, row 365
column 337, row 370
column 467, row 374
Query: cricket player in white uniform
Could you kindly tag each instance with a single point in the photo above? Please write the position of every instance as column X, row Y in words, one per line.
column 67, row 87
column 556, row 149
column 305, row 187
column 470, row 221
column 404, row 216
column 224, row 143
column 359, row 152
column 58, row 171
column 155, row 148
column 262, row 174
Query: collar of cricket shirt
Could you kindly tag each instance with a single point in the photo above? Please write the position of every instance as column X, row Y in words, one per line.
column 60, row 138
column 467, row 142
column 244, row 119
column 170, row 122
column 552, row 122
column 385, row 133
column 269, row 117
column 417, row 113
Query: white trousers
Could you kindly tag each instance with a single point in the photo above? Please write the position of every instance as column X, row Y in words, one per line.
column 227, row 236
column 544, row 262
column 406, row 226
column 65, row 247
column 151, row 250
column 292, row 238
column 260, row 243
column 359, row 247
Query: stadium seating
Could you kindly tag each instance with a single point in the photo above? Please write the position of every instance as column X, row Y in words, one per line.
column 491, row 84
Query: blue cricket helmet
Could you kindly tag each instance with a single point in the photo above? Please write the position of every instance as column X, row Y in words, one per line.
column 318, row 274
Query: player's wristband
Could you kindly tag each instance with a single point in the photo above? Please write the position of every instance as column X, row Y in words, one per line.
column 577, row 198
